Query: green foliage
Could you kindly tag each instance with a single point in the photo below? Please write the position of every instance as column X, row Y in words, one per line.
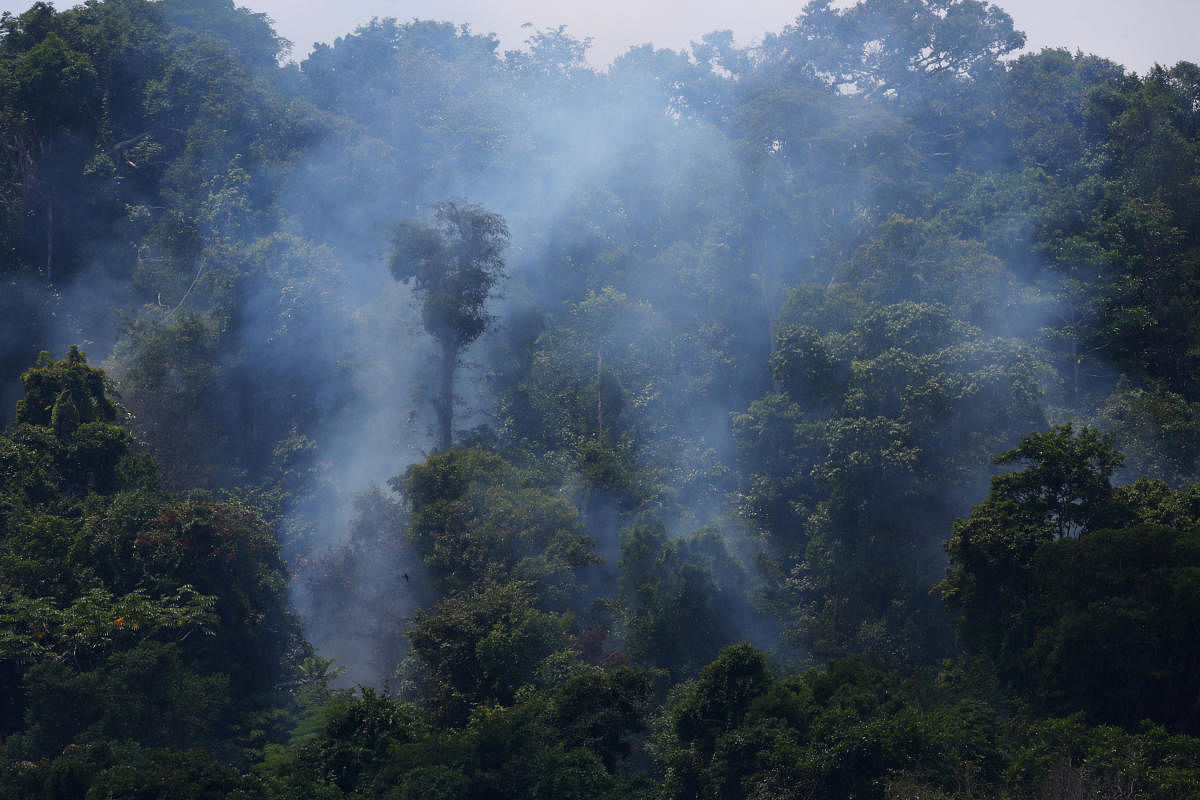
column 478, row 521
column 921, row 41
column 374, row 746
column 592, row 395
column 1156, row 430
column 480, row 648
column 815, row 284
column 601, row 363
column 146, row 693
column 1063, row 491
column 1060, row 757
column 684, row 599
column 65, row 394
column 1048, row 106
column 113, row 770
column 56, row 83
column 1110, row 618
column 1076, row 588
column 840, row 732
column 913, row 260
column 84, row 633
column 231, row 553
column 358, row 739
column 128, row 616
column 66, row 411
column 855, row 730
column 884, row 414
column 453, row 265
column 171, row 361
column 596, row 711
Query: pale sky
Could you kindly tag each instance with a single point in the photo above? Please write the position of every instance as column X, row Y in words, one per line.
column 1136, row 33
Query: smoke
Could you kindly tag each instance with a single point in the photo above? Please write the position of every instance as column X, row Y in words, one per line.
column 657, row 280
column 672, row 219
column 581, row 167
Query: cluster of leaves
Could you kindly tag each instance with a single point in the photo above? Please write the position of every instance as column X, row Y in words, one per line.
column 896, row 412
column 142, row 137
column 566, row 743
column 1083, row 593
column 131, row 620
column 497, row 696
column 856, row 729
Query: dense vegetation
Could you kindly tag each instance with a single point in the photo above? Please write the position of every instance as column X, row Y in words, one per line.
column 819, row 419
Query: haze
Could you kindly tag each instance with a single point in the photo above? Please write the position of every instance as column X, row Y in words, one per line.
column 1137, row 35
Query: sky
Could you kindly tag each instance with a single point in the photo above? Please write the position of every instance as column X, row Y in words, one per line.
column 1135, row 33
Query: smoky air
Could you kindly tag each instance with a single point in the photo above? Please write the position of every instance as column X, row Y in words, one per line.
column 813, row 418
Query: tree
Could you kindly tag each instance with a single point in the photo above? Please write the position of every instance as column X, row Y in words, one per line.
column 1111, row 622
column 479, row 648
column 684, row 598
column 1062, row 491
column 885, row 413
column 478, row 521
column 453, row 264
column 67, row 409
column 106, row 581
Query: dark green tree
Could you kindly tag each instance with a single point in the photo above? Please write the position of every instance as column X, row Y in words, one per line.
column 1111, row 626
column 1063, row 490
column 684, row 598
column 453, row 264
column 479, row 649
column 1082, row 593
column 125, row 614
column 477, row 521
column 883, row 416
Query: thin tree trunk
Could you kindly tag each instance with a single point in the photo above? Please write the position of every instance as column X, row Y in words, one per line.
column 600, row 394
column 443, row 403
column 50, row 241
column 769, row 309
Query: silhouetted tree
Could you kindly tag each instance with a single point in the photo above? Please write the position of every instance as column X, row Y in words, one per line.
column 453, row 264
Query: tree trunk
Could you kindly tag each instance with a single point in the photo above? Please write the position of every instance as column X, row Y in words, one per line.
column 443, row 402
column 770, row 310
column 50, row 240
column 600, row 394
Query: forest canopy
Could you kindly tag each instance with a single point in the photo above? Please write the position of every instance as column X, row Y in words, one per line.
column 818, row 418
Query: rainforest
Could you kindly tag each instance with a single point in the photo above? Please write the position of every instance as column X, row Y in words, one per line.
column 817, row 419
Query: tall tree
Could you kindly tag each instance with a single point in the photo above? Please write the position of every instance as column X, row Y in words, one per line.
column 453, row 263
column 1064, row 490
